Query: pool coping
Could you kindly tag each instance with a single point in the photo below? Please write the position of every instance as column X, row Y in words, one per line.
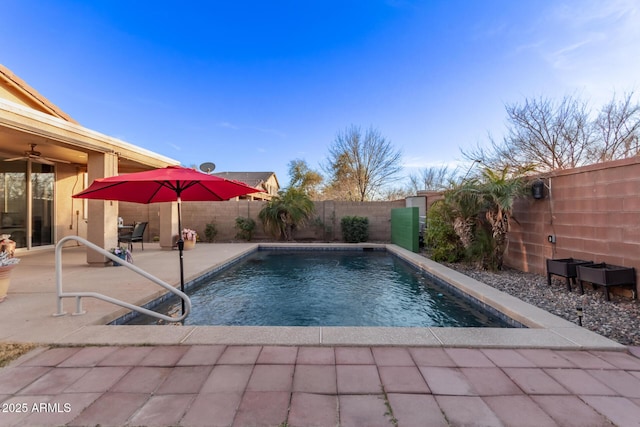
column 543, row 329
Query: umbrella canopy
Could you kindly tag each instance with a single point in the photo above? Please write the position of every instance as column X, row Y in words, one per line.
column 170, row 184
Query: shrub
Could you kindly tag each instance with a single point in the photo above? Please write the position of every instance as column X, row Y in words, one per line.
column 210, row 232
column 355, row 229
column 440, row 237
column 245, row 227
column 482, row 250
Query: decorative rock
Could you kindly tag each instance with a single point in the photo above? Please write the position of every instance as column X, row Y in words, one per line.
column 618, row 319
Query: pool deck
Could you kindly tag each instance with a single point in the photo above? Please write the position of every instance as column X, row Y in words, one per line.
column 552, row 373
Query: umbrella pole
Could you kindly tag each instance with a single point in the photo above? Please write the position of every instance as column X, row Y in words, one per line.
column 180, row 249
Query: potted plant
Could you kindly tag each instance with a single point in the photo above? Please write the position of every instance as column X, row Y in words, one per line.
column 189, row 236
column 121, row 252
column 7, row 263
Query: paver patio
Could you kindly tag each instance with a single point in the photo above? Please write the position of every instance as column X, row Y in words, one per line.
column 214, row 385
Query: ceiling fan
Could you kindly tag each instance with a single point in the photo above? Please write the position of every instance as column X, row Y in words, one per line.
column 36, row 156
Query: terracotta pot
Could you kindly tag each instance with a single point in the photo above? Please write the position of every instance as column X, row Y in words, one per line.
column 189, row 244
column 5, row 278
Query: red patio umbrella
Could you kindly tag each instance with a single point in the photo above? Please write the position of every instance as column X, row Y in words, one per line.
column 170, row 184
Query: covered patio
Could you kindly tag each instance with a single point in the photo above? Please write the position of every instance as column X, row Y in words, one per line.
column 45, row 157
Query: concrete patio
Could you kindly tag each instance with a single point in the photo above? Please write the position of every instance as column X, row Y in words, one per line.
column 88, row 373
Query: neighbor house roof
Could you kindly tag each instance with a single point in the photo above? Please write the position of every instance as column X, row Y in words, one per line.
column 253, row 179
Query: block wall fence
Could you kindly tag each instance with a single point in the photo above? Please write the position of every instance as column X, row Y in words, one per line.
column 593, row 212
column 324, row 227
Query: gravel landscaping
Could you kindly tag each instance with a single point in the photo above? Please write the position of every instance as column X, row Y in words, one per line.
column 11, row 351
column 618, row 319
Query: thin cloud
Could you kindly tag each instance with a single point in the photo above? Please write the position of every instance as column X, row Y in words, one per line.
column 227, row 125
column 586, row 13
column 587, row 44
column 567, row 56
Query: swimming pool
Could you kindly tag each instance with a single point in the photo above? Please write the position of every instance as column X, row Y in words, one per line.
column 327, row 288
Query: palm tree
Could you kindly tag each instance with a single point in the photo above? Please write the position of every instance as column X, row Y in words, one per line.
column 287, row 211
column 465, row 201
column 500, row 189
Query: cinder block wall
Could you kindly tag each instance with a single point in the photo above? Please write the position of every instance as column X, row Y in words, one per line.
column 593, row 211
column 325, row 225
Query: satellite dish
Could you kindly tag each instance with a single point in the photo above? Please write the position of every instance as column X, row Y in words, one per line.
column 207, row 167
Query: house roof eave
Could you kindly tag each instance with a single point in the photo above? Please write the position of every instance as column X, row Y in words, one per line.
column 73, row 135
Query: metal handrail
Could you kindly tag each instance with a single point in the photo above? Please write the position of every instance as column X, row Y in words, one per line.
column 79, row 295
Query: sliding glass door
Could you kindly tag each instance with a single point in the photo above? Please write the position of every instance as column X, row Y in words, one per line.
column 42, row 184
column 13, row 218
column 26, row 202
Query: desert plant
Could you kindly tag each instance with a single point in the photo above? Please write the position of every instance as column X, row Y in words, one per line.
column 464, row 201
column 440, row 237
column 499, row 190
column 287, row 211
column 210, row 232
column 355, row 229
column 245, row 227
column 482, row 252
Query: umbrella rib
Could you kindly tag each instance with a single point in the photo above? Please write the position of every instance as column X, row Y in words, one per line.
column 161, row 184
column 180, row 186
column 177, row 187
column 211, row 191
column 115, row 184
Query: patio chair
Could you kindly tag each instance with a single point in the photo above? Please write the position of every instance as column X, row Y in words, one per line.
column 135, row 236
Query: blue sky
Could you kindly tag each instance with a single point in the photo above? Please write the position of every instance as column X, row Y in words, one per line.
column 252, row 85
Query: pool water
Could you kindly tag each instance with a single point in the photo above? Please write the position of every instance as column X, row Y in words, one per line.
column 326, row 288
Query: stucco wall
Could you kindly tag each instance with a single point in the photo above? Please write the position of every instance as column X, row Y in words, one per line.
column 593, row 211
column 324, row 227
column 69, row 180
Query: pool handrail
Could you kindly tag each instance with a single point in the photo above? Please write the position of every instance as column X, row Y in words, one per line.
column 130, row 266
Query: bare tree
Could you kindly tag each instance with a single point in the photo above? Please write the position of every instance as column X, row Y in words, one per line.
column 360, row 165
column 552, row 135
column 431, row 179
column 548, row 135
column 396, row 193
column 617, row 128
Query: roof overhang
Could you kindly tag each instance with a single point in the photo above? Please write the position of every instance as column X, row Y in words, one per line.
column 60, row 139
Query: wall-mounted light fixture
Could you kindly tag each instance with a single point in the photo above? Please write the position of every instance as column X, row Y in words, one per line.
column 537, row 189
